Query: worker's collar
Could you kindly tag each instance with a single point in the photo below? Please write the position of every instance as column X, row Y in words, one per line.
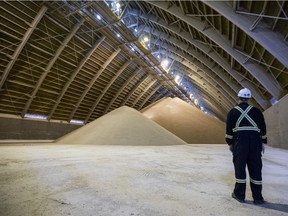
column 243, row 102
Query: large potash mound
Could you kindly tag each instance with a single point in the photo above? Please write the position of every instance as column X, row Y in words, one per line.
column 186, row 121
column 123, row 126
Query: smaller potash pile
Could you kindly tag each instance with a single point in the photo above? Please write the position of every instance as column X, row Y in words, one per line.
column 186, row 121
column 123, row 126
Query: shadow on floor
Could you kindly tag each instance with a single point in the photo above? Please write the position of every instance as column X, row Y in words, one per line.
column 274, row 206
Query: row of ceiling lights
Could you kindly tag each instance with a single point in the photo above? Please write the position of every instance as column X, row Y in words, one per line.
column 116, row 7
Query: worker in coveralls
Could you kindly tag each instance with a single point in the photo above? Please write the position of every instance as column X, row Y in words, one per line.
column 246, row 136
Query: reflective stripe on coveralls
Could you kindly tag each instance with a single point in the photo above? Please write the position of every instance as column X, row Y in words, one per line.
column 256, row 182
column 228, row 136
column 244, row 114
column 241, row 180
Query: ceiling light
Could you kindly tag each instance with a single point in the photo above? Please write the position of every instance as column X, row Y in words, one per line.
column 77, row 121
column 177, row 79
column 35, row 116
column 165, row 63
column 146, row 39
column 118, row 5
column 98, row 17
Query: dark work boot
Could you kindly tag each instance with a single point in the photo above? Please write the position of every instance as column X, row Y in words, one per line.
column 259, row 202
column 239, row 200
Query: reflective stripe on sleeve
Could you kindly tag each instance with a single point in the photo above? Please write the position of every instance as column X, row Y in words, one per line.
column 228, row 136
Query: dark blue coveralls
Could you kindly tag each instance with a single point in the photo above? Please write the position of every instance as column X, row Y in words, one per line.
column 246, row 131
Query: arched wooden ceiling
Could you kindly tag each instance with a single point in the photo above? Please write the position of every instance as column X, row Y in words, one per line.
column 78, row 60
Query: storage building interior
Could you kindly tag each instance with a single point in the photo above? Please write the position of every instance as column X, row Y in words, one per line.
column 119, row 107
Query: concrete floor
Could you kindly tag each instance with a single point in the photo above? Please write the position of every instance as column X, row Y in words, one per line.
column 52, row 180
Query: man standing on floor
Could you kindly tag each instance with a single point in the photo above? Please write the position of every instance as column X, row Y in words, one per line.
column 246, row 136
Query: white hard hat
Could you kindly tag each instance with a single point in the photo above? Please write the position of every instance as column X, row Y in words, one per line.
column 244, row 93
